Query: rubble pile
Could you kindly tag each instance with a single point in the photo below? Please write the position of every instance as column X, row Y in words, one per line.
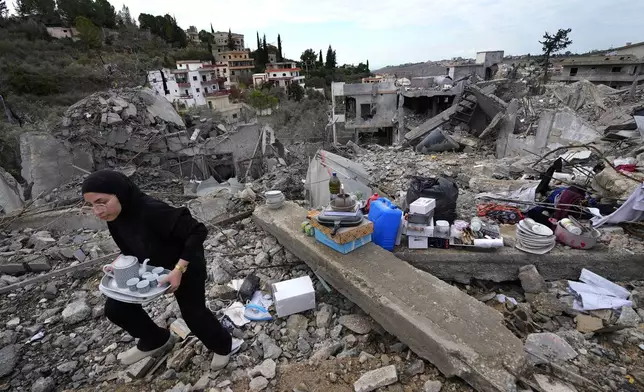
column 604, row 347
column 29, row 250
column 119, row 126
column 55, row 335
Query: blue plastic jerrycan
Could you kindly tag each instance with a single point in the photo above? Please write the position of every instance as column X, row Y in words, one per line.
column 386, row 217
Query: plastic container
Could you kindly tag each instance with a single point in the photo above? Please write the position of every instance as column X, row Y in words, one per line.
column 476, row 224
column 386, row 217
column 442, row 229
column 370, row 200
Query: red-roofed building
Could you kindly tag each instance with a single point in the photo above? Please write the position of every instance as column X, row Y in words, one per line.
column 282, row 74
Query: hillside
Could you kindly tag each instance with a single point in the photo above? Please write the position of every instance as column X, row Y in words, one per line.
column 429, row 68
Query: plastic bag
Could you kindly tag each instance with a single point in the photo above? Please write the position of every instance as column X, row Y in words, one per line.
column 441, row 189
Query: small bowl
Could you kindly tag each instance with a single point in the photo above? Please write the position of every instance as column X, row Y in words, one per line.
column 143, row 286
column 146, row 275
column 273, row 196
column 131, row 283
column 153, row 279
column 158, row 270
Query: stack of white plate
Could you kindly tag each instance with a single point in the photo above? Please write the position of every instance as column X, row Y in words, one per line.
column 533, row 237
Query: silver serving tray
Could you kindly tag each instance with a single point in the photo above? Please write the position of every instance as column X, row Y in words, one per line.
column 108, row 287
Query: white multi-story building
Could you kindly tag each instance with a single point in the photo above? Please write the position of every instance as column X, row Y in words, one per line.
column 234, row 66
column 189, row 85
column 282, row 74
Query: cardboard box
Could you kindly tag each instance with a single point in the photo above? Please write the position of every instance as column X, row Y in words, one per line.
column 417, row 242
column 342, row 248
column 293, row 296
column 345, row 235
column 422, row 206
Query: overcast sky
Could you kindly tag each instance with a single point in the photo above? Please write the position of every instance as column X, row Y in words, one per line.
column 394, row 32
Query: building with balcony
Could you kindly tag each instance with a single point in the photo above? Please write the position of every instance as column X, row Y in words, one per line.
column 281, row 74
column 189, row 84
column 221, row 43
column 234, row 66
column 615, row 71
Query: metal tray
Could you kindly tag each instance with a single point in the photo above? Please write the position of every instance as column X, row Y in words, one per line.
column 126, row 298
column 108, row 286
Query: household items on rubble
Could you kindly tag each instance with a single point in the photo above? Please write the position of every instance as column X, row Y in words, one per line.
column 341, row 233
column 293, row 296
column 597, row 292
column 443, row 190
column 386, row 217
column 533, row 237
column 274, row 199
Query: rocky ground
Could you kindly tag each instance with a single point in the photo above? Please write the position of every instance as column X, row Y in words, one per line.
column 54, row 336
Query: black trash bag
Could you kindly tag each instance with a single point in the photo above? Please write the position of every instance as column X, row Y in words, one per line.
column 248, row 287
column 441, row 189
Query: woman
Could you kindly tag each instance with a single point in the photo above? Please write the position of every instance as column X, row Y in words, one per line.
column 171, row 238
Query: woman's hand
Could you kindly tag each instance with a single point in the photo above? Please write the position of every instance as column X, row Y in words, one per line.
column 174, row 278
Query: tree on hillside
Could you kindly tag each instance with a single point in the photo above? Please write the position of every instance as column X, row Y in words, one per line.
column 553, row 43
column 280, row 57
column 104, row 14
column 264, row 51
column 320, row 60
column 259, row 43
column 89, row 33
column 165, row 27
column 124, row 18
column 330, row 58
column 3, row 9
column 212, row 29
column 231, row 43
column 42, row 10
column 295, row 92
column 206, row 37
column 308, row 58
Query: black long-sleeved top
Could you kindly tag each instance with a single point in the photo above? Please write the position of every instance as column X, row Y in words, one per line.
column 151, row 229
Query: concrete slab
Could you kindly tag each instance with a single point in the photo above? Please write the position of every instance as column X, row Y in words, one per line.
column 45, row 161
column 502, row 264
column 454, row 331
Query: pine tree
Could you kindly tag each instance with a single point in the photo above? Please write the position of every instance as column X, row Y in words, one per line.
column 264, row 51
column 212, row 30
column 321, row 59
column 231, row 43
column 3, row 9
column 280, row 57
column 330, row 58
column 259, row 43
column 368, row 65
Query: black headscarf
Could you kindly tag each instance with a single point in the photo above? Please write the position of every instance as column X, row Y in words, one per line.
column 114, row 183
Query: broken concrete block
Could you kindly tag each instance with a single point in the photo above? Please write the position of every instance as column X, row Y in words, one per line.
column 266, row 369
column 36, row 263
column 531, row 280
column 552, row 385
column 588, row 324
column 548, row 346
column 130, row 111
column 375, row 379
column 356, row 323
column 13, row 267
column 139, row 369
column 113, row 118
column 434, row 319
column 629, row 317
column 180, row 328
column 41, row 240
column 45, row 161
column 10, row 193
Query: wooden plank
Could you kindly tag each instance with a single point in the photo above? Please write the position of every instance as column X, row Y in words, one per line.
column 59, row 272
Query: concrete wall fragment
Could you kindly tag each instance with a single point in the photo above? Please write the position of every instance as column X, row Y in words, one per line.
column 10, row 193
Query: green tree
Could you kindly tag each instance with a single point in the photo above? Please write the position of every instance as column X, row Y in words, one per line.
column 261, row 100
column 308, row 57
column 330, row 58
column 124, row 17
column 212, row 29
column 553, row 43
column 231, row 43
column 42, row 10
column 264, row 51
column 3, row 9
column 280, row 57
column 89, row 33
column 295, row 92
column 104, row 14
column 206, row 37
column 321, row 60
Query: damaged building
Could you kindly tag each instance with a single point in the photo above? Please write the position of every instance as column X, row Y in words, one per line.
column 613, row 71
column 365, row 111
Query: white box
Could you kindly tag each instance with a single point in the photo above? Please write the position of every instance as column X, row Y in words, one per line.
column 418, row 242
column 293, row 296
column 420, row 231
column 422, row 206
